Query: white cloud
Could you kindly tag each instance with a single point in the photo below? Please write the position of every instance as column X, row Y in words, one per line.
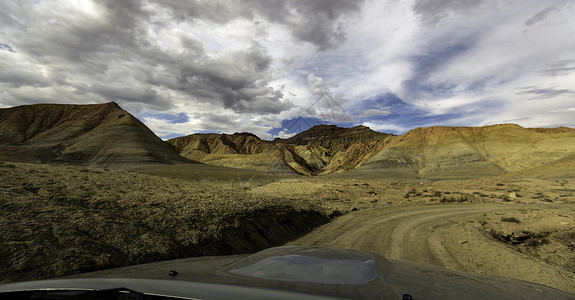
column 284, row 134
column 316, row 84
column 247, row 65
column 570, row 109
column 375, row 112
column 387, row 127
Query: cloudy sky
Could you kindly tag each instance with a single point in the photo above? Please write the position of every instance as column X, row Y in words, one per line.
column 277, row 67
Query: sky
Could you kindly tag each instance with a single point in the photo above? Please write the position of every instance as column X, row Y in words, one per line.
column 278, row 67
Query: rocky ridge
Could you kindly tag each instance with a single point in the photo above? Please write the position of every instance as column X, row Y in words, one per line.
column 467, row 152
column 104, row 135
column 98, row 135
column 323, row 149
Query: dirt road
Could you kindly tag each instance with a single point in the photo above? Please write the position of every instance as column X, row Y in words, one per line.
column 439, row 235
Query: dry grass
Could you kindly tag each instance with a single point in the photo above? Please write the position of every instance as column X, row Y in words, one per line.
column 58, row 220
column 547, row 234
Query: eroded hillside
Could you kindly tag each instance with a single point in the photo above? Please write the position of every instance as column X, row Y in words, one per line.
column 428, row 153
column 102, row 135
column 467, row 152
column 323, row 149
column 61, row 220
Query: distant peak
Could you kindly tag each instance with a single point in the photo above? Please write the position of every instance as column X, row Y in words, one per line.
column 112, row 103
column 325, row 132
column 335, row 127
column 324, row 127
column 506, row 125
column 245, row 134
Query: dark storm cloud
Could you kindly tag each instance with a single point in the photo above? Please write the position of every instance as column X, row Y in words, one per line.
column 217, row 121
column 218, row 11
column 543, row 93
column 432, row 11
column 115, row 58
column 236, row 80
column 21, row 76
column 558, row 68
column 78, row 39
column 319, row 22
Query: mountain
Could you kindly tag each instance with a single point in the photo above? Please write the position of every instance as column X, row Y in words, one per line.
column 104, row 135
column 329, row 136
column 437, row 152
column 99, row 135
column 332, row 149
column 322, row 149
column 240, row 150
column 467, row 152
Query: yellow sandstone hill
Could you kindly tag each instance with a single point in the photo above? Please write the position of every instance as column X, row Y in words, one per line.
column 240, row 150
column 104, row 135
column 100, row 135
column 322, row 149
column 467, row 152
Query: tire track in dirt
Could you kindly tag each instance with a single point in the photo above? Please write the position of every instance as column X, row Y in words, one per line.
column 406, row 234
column 439, row 235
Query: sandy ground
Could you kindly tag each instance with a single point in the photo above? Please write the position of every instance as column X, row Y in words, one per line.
column 452, row 236
column 506, row 226
column 501, row 226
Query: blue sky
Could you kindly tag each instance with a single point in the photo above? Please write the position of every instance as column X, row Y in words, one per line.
column 274, row 68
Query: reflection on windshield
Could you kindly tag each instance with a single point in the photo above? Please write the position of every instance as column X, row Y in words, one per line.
column 308, row 269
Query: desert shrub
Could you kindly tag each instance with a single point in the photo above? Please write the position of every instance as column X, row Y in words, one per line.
column 454, row 199
column 525, row 238
column 566, row 238
column 510, row 220
column 6, row 165
column 87, row 219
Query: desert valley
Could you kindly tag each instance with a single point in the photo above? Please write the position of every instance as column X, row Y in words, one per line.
column 87, row 188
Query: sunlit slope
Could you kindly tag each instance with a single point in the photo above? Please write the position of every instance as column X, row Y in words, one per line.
column 468, row 152
column 332, row 149
column 241, row 150
column 322, row 149
column 102, row 135
column 516, row 148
